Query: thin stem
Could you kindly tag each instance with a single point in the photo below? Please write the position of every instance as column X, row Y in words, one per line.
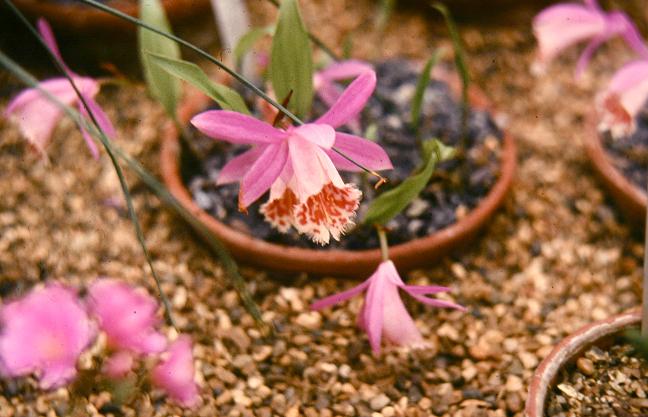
column 644, row 312
column 384, row 245
column 225, row 68
column 122, row 180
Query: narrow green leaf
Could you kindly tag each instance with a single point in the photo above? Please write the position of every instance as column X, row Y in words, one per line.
column 291, row 62
column 161, row 85
column 423, row 81
column 371, row 132
column 639, row 342
column 392, row 202
column 386, row 10
column 227, row 98
column 248, row 40
column 459, row 53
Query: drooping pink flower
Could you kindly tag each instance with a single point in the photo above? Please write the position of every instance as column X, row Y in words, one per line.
column 37, row 116
column 299, row 163
column 325, row 82
column 44, row 333
column 175, row 375
column 562, row 25
column 119, row 364
column 624, row 97
column 127, row 315
column 383, row 312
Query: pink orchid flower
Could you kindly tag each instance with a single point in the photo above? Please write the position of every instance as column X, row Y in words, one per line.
column 119, row 364
column 325, row 82
column 44, row 333
column 298, row 164
column 383, row 312
column 563, row 25
column 625, row 96
column 37, row 116
column 175, row 375
column 127, row 315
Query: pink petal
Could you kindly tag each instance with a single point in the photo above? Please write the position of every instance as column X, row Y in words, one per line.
column 235, row 170
column 586, row 55
column 45, row 332
column 373, row 310
column 236, row 128
column 398, row 326
column 425, row 289
column 36, row 115
column 363, row 151
column 176, row 374
column 351, row 102
column 345, row 70
column 436, row 303
column 127, row 315
column 49, row 39
column 263, row 173
column 563, row 25
column 321, row 135
column 630, row 83
column 339, row 297
column 119, row 364
column 313, row 169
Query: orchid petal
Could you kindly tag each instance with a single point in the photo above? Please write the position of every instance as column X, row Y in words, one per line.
column 630, row 84
column 344, row 70
column 101, row 118
column 363, row 151
column 235, row 170
column 398, row 326
column 373, row 310
column 436, row 303
column 313, row 169
column 586, row 55
column 235, row 127
column 49, row 39
column 339, row 297
column 560, row 26
column 351, row 102
column 425, row 289
column 263, row 173
column 321, row 135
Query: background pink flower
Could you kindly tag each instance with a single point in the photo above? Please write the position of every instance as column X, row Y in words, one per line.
column 127, row 315
column 44, row 333
column 175, row 375
column 383, row 312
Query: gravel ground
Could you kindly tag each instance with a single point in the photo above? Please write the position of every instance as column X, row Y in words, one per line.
column 554, row 258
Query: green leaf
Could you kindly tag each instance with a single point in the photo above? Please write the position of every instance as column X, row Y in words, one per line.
column 291, row 62
column 227, row 98
column 390, row 203
column 161, row 85
column 371, row 132
column 460, row 55
column 248, row 40
column 640, row 342
column 423, row 81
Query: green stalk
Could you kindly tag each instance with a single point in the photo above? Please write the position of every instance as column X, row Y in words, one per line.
column 384, row 245
column 644, row 310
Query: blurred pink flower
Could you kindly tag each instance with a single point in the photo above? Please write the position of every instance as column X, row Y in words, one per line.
column 325, row 83
column 298, row 164
column 119, row 364
column 175, row 375
column 562, row 25
column 625, row 96
column 127, row 315
column 44, row 333
column 37, row 116
column 383, row 312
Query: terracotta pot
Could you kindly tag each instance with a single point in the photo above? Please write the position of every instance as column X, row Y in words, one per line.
column 77, row 17
column 567, row 351
column 358, row 264
column 631, row 199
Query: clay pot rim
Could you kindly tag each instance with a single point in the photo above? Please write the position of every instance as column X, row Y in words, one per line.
column 335, row 262
column 630, row 198
column 83, row 18
column 566, row 350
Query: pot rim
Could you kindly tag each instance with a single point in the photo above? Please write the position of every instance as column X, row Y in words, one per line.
column 630, row 198
column 336, row 262
column 566, row 350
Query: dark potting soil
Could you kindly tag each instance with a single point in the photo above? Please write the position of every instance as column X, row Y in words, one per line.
column 602, row 383
column 457, row 186
column 629, row 153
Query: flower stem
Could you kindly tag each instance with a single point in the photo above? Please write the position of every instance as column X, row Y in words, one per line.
column 384, row 246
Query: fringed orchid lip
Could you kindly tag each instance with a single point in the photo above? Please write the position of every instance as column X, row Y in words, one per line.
column 624, row 97
column 37, row 116
column 298, row 164
column 383, row 312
